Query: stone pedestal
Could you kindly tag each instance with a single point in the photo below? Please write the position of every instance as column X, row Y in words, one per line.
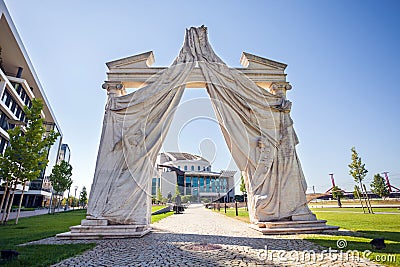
column 92, row 228
column 293, row 227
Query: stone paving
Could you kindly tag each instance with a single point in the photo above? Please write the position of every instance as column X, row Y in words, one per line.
column 180, row 240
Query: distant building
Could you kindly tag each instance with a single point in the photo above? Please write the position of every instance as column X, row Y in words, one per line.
column 193, row 176
column 19, row 84
column 65, row 153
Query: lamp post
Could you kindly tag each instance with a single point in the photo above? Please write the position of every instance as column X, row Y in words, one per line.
column 76, row 188
column 67, row 202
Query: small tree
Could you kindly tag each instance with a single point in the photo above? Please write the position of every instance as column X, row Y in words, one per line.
column 242, row 186
column 83, row 197
column 356, row 192
column 358, row 172
column 337, row 193
column 379, row 186
column 60, row 178
column 243, row 189
column 159, row 195
column 357, row 168
column 26, row 155
column 177, row 192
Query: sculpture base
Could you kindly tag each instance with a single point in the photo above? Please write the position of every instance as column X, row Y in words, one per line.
column 100, row 229
column 293, row 227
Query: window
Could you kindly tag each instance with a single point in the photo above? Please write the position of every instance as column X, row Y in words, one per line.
column 201, row 182
column 19, row 110
column 213, row 189
column 188, row 185
column 192, row 168
column 13, row 106
column 195, row 182
column 180, row 182
column 179, row 167
column 208, row 184
column 3, row 121
column 3, row 145
column 185, row 168
column 198, row 168
column 154, row 186
column 7, row 98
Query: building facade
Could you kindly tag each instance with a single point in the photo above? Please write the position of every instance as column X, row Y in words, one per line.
column 193, row 176
column 19, row 84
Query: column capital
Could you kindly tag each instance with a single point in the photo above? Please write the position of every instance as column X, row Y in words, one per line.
column 279, row 88
column 114, row 88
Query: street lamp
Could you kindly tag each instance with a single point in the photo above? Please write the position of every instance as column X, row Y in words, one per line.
column 76, row 188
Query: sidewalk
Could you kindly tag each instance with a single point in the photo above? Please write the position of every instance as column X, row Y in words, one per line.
column 30, row 213
column 201, row 237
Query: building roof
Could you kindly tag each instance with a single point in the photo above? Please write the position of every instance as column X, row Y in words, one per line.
column 174, row 156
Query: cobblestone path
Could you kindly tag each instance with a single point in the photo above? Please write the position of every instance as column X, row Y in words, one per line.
column 200, row 237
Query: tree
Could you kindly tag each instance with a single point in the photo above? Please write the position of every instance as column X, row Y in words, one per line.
column 60, row 178
column 358, row 171
column 243, row 189
column 357, row 168
column 379, row 186
column 83, row 197
column 337, row 193
column 177, row 192
column 356, row 192
column 26, row 154
column 159, row 195
column 242, row 185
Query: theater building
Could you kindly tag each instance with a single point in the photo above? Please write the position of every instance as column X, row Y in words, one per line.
column 193, row 176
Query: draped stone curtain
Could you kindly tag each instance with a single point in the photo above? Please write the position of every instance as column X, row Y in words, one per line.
column 256, row 126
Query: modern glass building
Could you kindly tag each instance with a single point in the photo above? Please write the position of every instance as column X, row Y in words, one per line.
column 65, row 153
column 19, row 84
column 193, row 176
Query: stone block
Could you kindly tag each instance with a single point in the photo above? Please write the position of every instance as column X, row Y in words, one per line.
column 94, row 222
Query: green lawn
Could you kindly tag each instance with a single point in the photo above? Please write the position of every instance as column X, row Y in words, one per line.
column 158, row 217
column 365, row 227
column 157, row 207
column 39, row 227
column 230, row 212
column 359, row 210
column 43, row 226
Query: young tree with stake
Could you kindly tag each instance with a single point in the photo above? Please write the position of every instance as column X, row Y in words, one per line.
column 60, row 178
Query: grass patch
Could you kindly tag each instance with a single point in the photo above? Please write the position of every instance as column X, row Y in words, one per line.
column 243, row 214
column 158, row 217
column 365, row 228
column 156, row 208
column 36, row 228
column 45, row 255
column 359, row 210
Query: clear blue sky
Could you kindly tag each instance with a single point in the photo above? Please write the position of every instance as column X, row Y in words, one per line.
column 343, row 62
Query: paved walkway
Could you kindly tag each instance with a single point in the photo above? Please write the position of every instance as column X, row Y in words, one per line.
column 179, row 239
column 30, row 213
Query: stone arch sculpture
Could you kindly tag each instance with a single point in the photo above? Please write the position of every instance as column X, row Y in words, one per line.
column 255, row 122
